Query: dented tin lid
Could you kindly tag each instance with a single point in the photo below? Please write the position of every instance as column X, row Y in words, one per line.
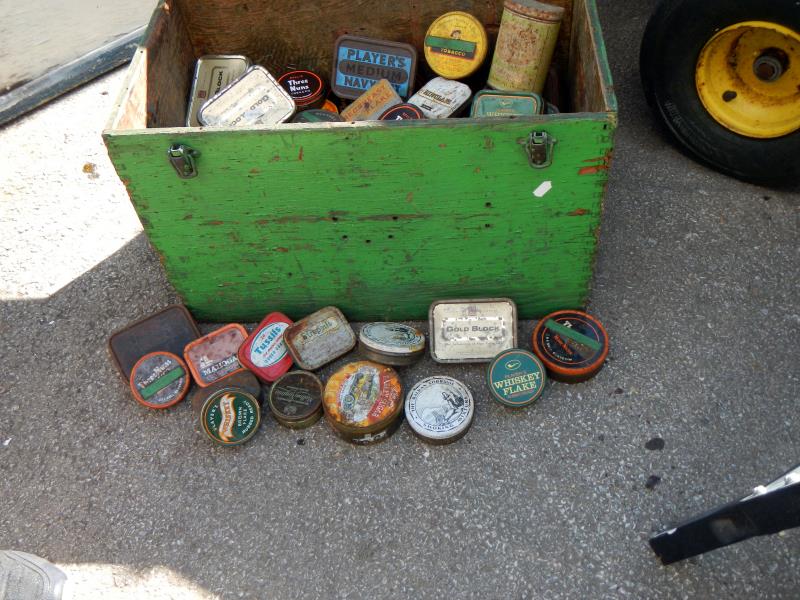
column 263, row 352
column 230, row 416
column 316, row 115
column 439, row 409
column 456, row 45
column 516, row 378
column 572, row 344
column 296, row 399
column 491, row 103
column 320, row 338
column 464, row 331
column 159, row 380
column 402, row 112
column 307, row 89
column 441, row 98
column 255, row 98
column 360, row 62
column 394, row 344
column 212, row 73
column 215, row 356
column 372, row 103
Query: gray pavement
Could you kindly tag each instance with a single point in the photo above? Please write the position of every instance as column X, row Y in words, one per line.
column 696, row 281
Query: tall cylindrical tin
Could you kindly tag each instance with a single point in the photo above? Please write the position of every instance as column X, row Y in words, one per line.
column 525, row 45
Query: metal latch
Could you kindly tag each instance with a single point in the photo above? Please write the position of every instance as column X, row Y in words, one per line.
column 540, row 149
column 182, row 157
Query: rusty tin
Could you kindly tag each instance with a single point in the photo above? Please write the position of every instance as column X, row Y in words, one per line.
column 441, row 98
column 464, row 331
column 402, row 112
column 456, row 45
column 168, row 330
column 439, row 409
column 296, row 399
column 255, row 98
column 215, row 356
column 230, row 416
column 360, row 62
column 363, row 402
column 572, row 344
column 243, row 380
column 525, row 45
column 212, row 73
column 320, row 338
column 393, row 344
column 317, row 115
column 491, row 103
column 160, row 380
column 307, row 89
column 263, row 352
column 372, row 103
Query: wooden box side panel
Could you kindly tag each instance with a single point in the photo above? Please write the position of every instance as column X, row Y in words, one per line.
column 589, row 75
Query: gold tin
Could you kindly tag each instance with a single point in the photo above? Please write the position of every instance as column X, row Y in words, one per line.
column 295, row 399
column 456, row 45
column 212, row 74
column 466, row 331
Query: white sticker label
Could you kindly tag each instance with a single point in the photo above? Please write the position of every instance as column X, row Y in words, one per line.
column 268, row 348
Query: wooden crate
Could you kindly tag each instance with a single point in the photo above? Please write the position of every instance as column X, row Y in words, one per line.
column 378, row 218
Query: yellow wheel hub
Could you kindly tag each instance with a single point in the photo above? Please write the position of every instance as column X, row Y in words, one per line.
column 748, row 79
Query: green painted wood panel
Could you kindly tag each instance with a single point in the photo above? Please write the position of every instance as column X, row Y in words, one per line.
column 379, row 219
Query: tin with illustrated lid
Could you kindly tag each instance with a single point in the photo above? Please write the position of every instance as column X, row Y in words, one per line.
column 319, row 338
column 230, row 416
column 372, row 103
column 307, row 89
column 316, row 115
column 255, row 98
column 491, row 103
column 456, row 45
column 263, row 352
column 243, row 380
column 402, row 112
column 393, row 344
column 363, row 402
column 463, row 331
column 212, row 73
column 439, row 409
column 160, row 380
column 296, row 399
column 516, row 378
column 572, row 344
column 441, row 98
column 216, row 355
column 360, row 62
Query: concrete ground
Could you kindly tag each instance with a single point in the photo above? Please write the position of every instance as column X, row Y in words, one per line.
column 696, row 281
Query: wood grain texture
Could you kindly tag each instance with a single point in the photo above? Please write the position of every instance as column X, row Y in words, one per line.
column 589, row 77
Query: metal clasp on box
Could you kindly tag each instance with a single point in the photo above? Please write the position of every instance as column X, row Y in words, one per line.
column 539, row 147
column 183, row 158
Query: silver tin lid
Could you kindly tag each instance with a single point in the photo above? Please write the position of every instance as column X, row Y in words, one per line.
column 255, row 98
column 439, row 409
column 320, row 338
column 212, row 74
column 464, row 331
column 393, row 339
column 441, row 98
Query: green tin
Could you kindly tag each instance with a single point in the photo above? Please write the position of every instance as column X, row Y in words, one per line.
column 516, row 378
column 230, row 416
column 490, row 103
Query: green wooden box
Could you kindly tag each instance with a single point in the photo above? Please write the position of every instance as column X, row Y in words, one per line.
column 377, row 218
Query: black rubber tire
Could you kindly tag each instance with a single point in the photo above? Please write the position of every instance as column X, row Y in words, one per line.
column 676, row 33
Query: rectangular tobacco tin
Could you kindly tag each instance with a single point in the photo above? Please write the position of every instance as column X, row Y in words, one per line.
column 255, row 98
column 216, row 355
column 372, row 103
column 360, row 62
column 465, row 331
column 489, row 103
column 319, row 338
column 212, row 73
column 441, row 98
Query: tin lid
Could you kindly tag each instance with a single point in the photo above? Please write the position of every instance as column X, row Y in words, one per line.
column 572, row 344
column 243, row 380
column 402, row 112
column 441, row 98
column 215, row 356
column 372, row 103
column 212, row 73
column 536, row 10
column 306, row 88
column 491, row 103
column 330, row 106
column 362, row 397
column 439, row 408
column 159, row 380
column 392, row 339
column 316, row 115
column 319, row 338
column 230, row 416
column 472, row 330
column 456, row 45
column 516, row 378
column 263, row 352
column 296, row 396
column 360, row 62
column 255, row 98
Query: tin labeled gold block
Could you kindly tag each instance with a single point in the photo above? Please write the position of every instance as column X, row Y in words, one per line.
column 212, row 74
column 464, row 331
column 370, row 105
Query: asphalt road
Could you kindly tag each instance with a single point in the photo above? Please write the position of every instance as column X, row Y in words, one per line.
column 696, row 281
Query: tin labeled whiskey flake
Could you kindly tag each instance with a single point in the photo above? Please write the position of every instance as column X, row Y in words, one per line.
column 490, row 103
column 393, row 344
column 456, row 45
column 439, row 409
column 212, row 73
column 255, row 98
column 464, row 331
column 296, row 399
column 319, row 339
column 263, row 352
column 215, row 356
column 372, row 103
column 315, row 115
column 230, row 416
column 159, row 380
column 516, row 378
column 360, row 62
column 441, row 98
column 572, row 344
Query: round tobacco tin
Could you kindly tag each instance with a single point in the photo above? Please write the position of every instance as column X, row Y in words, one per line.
column 317, row 115
column 572, row 344
column 307, row 89
column 516, row 378
column 296, row 399
column 439, row 409
column 363, row 401
column 264, row 352
column 243, row 380
column 402, row 112
column 230, row 416
column 456, row 45
column 330, row 106
column 393, row 344
column 159, row 380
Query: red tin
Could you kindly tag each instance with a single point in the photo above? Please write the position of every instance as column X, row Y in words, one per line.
column 216, row 355
column 264, row 352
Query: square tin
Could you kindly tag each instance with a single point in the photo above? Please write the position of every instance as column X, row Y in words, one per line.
column 215, row 356
column 441, row 98
column 360, row 62
column 372, row 103
column 466, row 331
column 212, row 73
column 318, row 339
column 491, row 103
column 255, row 98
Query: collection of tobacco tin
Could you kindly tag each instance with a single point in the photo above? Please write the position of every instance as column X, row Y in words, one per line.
column 375, row 79
column 239, row 373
